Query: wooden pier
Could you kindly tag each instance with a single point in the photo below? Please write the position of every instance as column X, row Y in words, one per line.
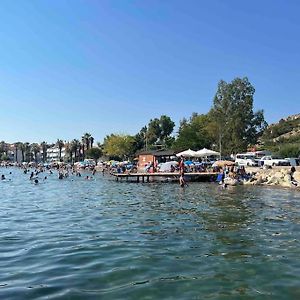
column 147, row 177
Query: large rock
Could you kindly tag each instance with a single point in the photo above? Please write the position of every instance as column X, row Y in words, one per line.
column 274, row 177
column 286, row 181
column 297, row 176
column 287, row 178
column 272, row 180
column 278, row 174
column 249, row 182
column 287, row 184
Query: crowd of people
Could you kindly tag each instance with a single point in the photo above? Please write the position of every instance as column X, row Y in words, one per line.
column 40, row 173
column 226, row 175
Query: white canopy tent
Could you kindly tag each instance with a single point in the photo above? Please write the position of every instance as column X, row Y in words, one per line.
column 187, row 153
column 206, row 152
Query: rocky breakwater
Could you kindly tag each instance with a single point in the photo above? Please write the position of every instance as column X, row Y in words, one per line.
column 275, row 177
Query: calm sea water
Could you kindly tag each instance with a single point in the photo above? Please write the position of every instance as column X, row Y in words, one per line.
column 101, row 239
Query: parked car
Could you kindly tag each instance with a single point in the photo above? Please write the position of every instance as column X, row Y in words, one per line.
column 246, row 159
column 270, row 160
column 294, row 161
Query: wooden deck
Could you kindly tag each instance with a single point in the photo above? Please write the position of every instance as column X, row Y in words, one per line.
column 146, row 177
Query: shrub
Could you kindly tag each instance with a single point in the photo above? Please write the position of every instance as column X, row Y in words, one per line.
column 290, row 150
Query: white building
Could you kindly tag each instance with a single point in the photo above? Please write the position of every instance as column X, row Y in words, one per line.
column 53, row 153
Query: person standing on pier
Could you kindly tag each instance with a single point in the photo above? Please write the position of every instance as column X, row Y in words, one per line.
column 181, row 164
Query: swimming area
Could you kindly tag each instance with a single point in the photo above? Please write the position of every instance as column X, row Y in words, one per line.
column 102, row 239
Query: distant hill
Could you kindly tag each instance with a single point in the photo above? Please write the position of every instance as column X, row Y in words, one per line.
column 283, row 137
column 285, row 129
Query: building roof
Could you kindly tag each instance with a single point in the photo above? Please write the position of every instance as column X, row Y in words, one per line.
column 158, row 153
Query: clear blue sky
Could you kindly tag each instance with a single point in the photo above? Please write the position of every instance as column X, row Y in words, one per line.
column 69, row 67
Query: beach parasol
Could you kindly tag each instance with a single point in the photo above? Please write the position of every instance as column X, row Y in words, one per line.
column 187, row 153
column 206, row 152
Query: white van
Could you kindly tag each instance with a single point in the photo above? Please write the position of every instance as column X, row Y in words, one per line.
column 245, row 159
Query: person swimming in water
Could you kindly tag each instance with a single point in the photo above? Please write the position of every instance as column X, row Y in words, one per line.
column 3, row 177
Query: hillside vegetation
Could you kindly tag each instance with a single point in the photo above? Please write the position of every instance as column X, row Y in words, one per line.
column 283, row 137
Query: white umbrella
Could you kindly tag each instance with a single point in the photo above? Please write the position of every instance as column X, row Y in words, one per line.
column 187, row 153
column 206, row 152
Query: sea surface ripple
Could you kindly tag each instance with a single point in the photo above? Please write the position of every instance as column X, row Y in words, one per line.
column 101, row 239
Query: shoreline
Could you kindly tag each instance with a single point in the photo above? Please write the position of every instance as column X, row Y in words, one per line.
column 278, row 176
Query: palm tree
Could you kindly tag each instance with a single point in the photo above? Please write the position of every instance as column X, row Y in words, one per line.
column 83, row 149
column 22, row 148
column 86, row 140
column 91, row 141
column 3, row 151
column 16, row 152
column 44, row 146
column 69, row 153
column 35, row 148
column 17, row 147
column 3, row 147
column 74, row 147
column 60, row 144
column 28, row 153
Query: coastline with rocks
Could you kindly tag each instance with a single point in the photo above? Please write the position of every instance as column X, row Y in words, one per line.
column 276, row 176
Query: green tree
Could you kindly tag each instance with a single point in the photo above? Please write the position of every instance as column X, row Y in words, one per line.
column 4, row 157
column 290, row 150
column 141, row 139
column 3, row 148
column 159, row 131
column 235, row 124
column 193, row 133
column 153, row 131
column 167, row 127
column 94, row 153
column 119, row 146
